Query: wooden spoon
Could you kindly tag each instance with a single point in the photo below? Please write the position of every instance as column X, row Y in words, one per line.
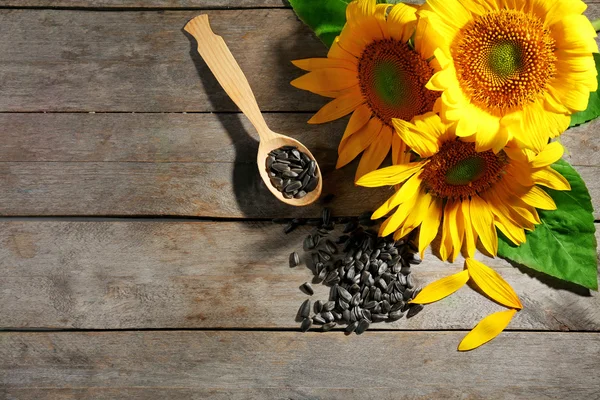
column 219, row 59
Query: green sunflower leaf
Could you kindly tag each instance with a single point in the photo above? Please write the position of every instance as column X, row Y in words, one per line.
column 325, row 17
column 593, row 108
column 564, row 244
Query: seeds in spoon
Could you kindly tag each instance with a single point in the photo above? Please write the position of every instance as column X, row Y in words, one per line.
column 292, row 172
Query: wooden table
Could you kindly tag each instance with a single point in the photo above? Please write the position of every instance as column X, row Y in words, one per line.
column 138, row 256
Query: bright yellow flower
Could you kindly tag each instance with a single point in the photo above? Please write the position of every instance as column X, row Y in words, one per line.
column 472, row 192
column 373, row 71
column 512, row 68
column 490, row 283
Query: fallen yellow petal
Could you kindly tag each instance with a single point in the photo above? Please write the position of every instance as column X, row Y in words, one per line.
column 487, row 329
column 441, row 288
column 492, row 284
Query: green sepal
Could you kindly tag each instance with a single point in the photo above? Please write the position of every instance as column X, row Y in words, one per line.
column 564, row 244
column 325, row 17
column 593, row 109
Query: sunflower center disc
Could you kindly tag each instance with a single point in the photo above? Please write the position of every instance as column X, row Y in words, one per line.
column 466, row 171
column 457, row 171
column 504, row 59
column 392, row 79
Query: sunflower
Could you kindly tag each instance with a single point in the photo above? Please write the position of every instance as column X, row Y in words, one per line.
column 373, row 71
column 511, row 68
column 473, row 192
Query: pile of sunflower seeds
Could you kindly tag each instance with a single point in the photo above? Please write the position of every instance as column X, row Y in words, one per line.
column 292, row 172
column 369, row 276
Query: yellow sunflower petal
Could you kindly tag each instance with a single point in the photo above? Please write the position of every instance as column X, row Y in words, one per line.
column 487, row 329
column 358, row 120
column 537, row 198
column 400, row 155
column 375, row 153
column 329, row 79
column 403, row 16
column 550, row 178
column 336, row 51
column 359, row 141
column 492, row 284
column 470, row 241
column 483, row 222
column 311, row 64
column 549, row 155
column 441, row 288
column 407, row 191
column 430, row 225
column 416, row 216
column 421, row 139
column 338, row 108
column 390, row 175
column 457, row 228
column 399, row 216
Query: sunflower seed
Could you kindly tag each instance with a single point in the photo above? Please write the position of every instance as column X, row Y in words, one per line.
column 304, row 310
column 370, row 304
column 300, row 194
column 343, row 305
column 395, row 315
column 331, row 248
column 330, row 305
column 337, row 316
column 294, row 259
column 292, row 186
column 385, row 306
column 414, row 309
column 379, row 317
column 307, row 288
column 327, row 316
column 308, row 243
column 362, row 326
column 280, row 167
column 289, row 227
column 328, row 326
column 318, row 306
column 351, row 327
column 346, row 316
column 311, row 184
column 367, row 315
column 377, row 295
column 289, row 174
column 317, row 319
column 410, row 282
column 306, row 323
column 325, row 255
column 326, row 215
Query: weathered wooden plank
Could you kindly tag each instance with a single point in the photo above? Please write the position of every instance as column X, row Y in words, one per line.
column 180, row 164
column 270, row 365
column 142, row 274
column 170, row 4
column 142, row 61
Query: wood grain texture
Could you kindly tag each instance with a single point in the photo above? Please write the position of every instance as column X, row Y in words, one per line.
column 143, row 60
column 144, row 274
column 170, row 4
column 183, row 164
column 140, row 60
column 276, row 365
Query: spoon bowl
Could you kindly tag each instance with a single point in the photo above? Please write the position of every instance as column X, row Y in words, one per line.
column 219, row 59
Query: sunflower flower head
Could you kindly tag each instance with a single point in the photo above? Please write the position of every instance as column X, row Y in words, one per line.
column 511, row 69
column 375, row 73
column 466, row 193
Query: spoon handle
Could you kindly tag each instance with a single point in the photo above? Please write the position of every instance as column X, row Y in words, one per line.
column 219, row 59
